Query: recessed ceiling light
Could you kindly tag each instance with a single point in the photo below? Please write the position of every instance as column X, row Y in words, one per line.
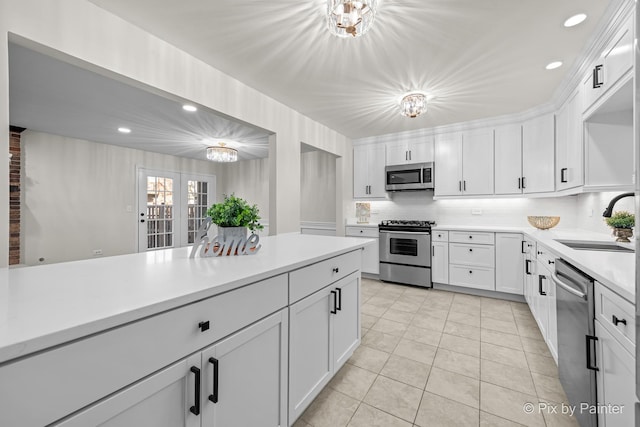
column 553, row 65
column 190, row 108
column 575, row 20
column 124, row 130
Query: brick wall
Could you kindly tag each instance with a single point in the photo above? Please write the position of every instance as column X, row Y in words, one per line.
column 14, row 195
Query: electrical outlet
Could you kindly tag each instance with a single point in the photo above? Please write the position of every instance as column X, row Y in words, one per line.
column 476, row 211
column 97, row 252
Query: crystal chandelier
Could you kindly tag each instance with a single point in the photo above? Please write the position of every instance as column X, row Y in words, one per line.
column 413, row 104
column 222, row 153
column 350, row 18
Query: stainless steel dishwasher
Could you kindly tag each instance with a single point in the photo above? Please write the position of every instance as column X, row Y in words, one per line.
column 576, row 340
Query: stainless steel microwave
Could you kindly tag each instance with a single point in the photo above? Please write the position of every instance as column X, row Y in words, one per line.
column 416, row 176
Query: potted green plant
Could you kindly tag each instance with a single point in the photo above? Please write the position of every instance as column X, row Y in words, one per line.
column 234, row 216
column 622, row 223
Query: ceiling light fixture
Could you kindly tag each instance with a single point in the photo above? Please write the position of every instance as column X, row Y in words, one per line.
column 124, row 130
column 413, row 104
column 221, row 153
column 350, row 17
column 553, row 65
column 189, row 108
column 575, row 20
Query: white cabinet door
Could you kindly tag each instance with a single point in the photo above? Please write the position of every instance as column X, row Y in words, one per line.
column 310, row 349
column 529, row 272
column 615, row 379
column 397, row 153
column 346, row 320
column 371, row 258
column 448, row 164
column 368, row 171
column 542, row 299
column 552, row 332
column 569, row 152
column 509, row 263
column 477, row 162
column 508, row 159
column 247, row 370
column 421, row 152
column 440, row 262
column 618, row 55
column 538, row 152
column 165, row 399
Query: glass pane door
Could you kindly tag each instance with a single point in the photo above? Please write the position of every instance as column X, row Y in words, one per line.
column 158, row 210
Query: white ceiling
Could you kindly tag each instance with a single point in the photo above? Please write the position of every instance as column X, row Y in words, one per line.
column 52, row 96
column 475, row 58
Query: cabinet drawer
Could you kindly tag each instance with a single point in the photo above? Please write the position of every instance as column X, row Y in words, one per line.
column 91, row 368
column 362, row 231
column 307, row 280
column 472, row 277
column 440, row 236
column 476, row 255
column 472, row 237
column 546, row 257
column 617, row 315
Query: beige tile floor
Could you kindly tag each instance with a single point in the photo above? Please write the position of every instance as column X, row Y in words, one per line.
column 436, row 358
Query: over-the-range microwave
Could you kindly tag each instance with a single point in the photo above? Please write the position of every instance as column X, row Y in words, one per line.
column 411, row 177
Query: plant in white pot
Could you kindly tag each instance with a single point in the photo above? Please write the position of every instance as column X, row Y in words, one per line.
column 622, row 223
column 234, row 216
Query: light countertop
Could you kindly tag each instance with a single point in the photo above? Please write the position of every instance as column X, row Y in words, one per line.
column 615, row 270
column 52, row 304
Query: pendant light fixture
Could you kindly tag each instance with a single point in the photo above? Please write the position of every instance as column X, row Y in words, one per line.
column 413, row 104
column 221, row 153
column 350, row 18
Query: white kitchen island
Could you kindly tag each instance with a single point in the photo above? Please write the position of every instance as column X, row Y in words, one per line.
column 162, row 339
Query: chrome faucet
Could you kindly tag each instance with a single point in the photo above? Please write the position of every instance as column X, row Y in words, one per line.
column 609, row 210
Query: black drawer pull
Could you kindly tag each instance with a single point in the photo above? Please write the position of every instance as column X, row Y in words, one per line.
column 563, row 178
column 339, row 304
column 336, row 270
column 551, row 262
column 335, row 302
column 195, row 409
column 589, row 339
column 204, row 326
column 470, row 250
column 540, row 291
column 616, row 320
column 471, row 237
column 214, row 397
column 470, row 271
column 527, row 267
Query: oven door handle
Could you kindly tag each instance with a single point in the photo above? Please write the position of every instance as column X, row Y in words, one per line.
column 424, row 233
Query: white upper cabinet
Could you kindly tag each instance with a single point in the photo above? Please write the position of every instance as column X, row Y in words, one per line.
column 508, row 159
column 464, row 163
column 569, row 153
column 477, row 162
column 538, row 151
column 368, row 171
column 400, row 153
column 615, row 62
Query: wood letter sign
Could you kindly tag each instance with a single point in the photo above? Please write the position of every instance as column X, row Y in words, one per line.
column 205, row 247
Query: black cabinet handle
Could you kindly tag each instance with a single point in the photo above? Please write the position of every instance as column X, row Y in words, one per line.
column 563, row 178
column 519, row 184
column 142, row 220
column 523, row 186
column 551, row 262
column 470, row 271
column 464, row 185
column 406, row 155
column 433, row 251
column 471, row 237
column 214, row 396
column 195, row 409
column 204, row 326
column 339, row 304
column 409, row 154
column 527, row 267
column 459, row 185
column 589, row 339
column 615, row 320
column 596, row 77
column 522, row 249
column 470, row 250
column 540, row 291
column 336, row 270
column 335, row 302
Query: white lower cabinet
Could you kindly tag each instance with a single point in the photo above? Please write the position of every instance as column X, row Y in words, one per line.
column 615, row 379
column 440, row 262
column 371, row 253
column 509, row 263
column 209, row 388
column 324, row 330
column 472, row 264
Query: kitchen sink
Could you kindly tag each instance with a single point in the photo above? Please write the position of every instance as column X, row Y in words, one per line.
column 586, row 245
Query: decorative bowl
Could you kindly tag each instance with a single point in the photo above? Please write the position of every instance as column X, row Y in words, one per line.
column 543, row 222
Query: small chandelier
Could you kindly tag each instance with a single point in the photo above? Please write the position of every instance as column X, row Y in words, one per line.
column 350, row 17
column 222, row 153
column 413, row 104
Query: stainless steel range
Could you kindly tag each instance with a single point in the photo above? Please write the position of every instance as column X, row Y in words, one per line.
column 405, row 252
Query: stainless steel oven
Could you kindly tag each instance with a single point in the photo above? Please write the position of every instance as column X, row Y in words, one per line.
column 405, row 252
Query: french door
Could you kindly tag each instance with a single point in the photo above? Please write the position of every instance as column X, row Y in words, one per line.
column 171, row 207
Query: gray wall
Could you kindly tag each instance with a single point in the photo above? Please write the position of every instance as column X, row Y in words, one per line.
column 317, row 186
